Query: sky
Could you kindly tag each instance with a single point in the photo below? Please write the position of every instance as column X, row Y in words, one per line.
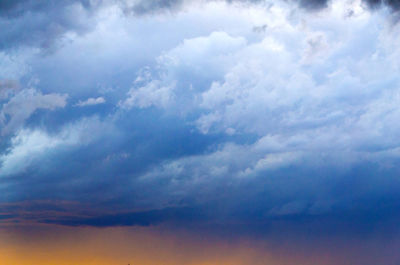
column 217, row 132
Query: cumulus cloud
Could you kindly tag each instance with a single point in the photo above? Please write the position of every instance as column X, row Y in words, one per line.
column 153, row 93
column 274, row 86
column 322, row 104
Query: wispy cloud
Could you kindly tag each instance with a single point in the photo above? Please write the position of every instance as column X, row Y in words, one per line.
column 91, row 102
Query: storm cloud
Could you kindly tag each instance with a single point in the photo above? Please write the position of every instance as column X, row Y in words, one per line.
column 242, row 114
column 46, row 24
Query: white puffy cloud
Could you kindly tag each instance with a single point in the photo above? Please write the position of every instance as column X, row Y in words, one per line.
column 316, row 91
column 153, row 93
column 204, row 57
column 319, row 75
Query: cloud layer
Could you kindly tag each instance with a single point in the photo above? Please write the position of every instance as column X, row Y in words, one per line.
column 237, row 113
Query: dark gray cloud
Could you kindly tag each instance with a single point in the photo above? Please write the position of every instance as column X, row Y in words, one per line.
column 42, row 23
column 157, row 5
column 11, row 8
column 142, row 218
column 313, row 4
column 151, row 6
column 393, row 4
column 319, row 4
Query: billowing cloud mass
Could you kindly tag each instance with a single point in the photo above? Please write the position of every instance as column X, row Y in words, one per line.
column 200, row 113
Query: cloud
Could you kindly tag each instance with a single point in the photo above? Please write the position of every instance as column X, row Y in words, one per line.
column 29, row 146
column 46, row 25
column 204, row 56
column 42, row 23
column 394, row 4
column 21, row 106
column 7, row 87
column 296, row 119
column 153, row 93
column 26, row 147
column 142, row 218
column 323, row 105
column 91, row 102
column 152, row 6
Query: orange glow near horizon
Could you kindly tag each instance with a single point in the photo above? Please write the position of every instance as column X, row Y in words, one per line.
column 56, row 245
column 144, row 246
